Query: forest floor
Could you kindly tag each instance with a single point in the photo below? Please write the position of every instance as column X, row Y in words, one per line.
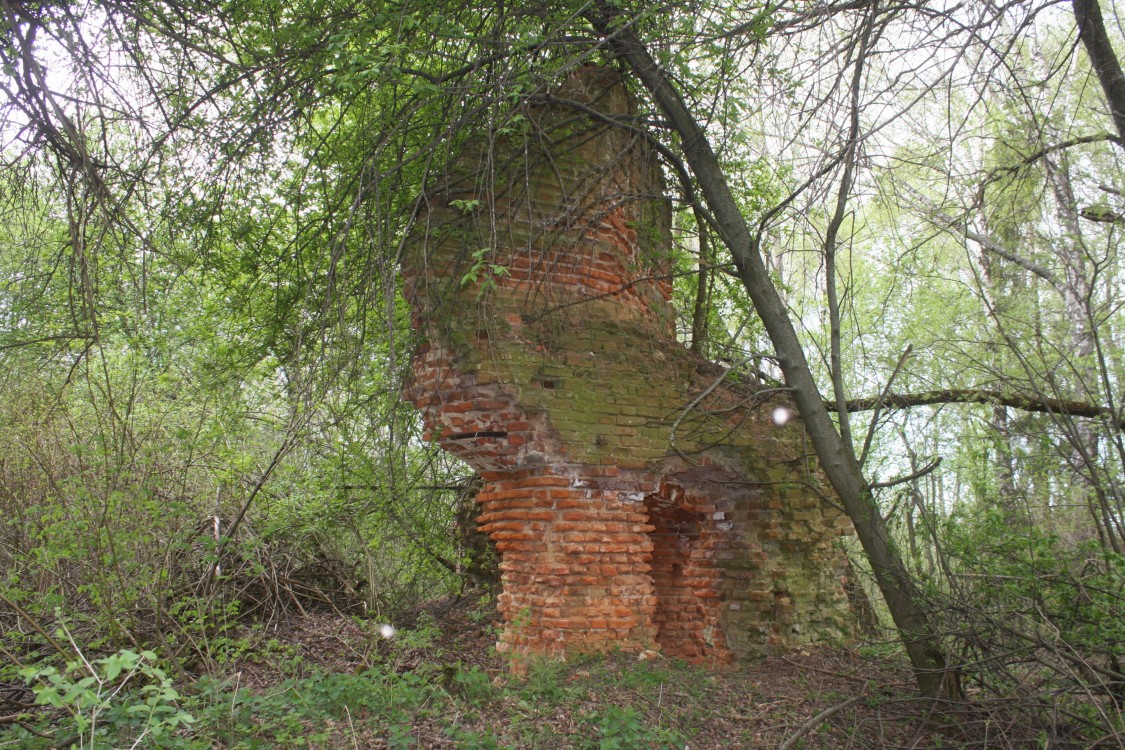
column 324, row 680
column 453, row 691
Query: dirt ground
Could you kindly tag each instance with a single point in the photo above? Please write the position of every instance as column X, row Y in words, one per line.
column 824, row 697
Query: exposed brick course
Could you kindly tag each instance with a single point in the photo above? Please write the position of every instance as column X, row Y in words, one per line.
column 549, row 364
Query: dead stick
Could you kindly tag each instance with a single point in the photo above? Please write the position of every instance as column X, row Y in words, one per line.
column 809, row 725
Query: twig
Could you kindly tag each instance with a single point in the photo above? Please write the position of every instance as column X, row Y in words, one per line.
column 878, row 405
column 1040, row 404
column 351, row 725
column 279, row 454
column 822, row 670
column 809, row 725
column 35, row 624
column 909, row 477
column 28, row 728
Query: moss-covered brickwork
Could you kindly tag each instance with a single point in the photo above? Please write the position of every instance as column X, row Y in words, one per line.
column 636, row 502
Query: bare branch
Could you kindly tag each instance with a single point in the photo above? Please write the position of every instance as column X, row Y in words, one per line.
column 815, row 721
column 879, row 404
column 909, row 477
column 1038, row 404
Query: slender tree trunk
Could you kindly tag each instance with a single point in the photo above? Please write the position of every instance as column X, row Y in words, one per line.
column 993, row 297
column 1077, row 292
column 702, row 309
column 920, row 637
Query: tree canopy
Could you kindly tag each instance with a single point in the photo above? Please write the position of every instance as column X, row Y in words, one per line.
column 908, row 214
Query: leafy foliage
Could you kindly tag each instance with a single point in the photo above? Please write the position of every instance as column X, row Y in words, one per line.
column 105, row 706
column 203, row 339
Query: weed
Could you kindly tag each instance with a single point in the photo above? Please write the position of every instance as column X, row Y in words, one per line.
column 467, row 739
column 484, row 609
column 645, row 675
column 283, row 716
column 484, row 272
column 544, row 680
column 398, row 737
column 627, row 729
column 121, row 700
column 880, row 650
column 473, row 684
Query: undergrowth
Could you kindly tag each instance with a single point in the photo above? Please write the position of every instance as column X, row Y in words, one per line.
column 127, row 701
column 437, row 684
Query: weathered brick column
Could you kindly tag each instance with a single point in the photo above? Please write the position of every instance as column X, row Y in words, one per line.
column 537, row 277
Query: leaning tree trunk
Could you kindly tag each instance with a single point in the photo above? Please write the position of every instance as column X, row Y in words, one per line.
column 919, row 636
column 1092, row 34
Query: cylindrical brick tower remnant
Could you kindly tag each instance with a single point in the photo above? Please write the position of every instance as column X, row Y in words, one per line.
column 538, row 280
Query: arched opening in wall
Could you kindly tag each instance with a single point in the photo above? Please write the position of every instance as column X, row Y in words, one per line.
column 683, row 575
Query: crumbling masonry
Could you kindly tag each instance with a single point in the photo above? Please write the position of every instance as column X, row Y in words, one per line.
column 636, row 501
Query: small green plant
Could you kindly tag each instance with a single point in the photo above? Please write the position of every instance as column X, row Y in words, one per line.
column 644, row 675
column 474, row 684
column 544, row 680
column 209, row 623
column 407, row 645
column 483, row 271
column 291, row 712
column 123, row 700
column 628, row 729
column 398, row 737
column 483, row 609
column 467, row 739
column 465, row 206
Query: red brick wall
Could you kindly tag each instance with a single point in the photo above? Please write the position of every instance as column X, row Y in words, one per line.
column 622, row 520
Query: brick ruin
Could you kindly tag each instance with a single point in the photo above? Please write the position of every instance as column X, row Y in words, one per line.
column 637, row 500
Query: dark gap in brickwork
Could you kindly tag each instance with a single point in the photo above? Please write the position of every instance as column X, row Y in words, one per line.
column 477, row 434
column 679, row 615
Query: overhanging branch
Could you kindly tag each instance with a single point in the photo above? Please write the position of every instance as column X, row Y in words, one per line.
column 1039, row 404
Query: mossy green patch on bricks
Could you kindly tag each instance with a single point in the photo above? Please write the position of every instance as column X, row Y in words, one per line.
column 637, row 498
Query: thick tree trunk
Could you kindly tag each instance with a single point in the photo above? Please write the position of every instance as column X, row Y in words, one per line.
column 1092, row 33
column 919, row 636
